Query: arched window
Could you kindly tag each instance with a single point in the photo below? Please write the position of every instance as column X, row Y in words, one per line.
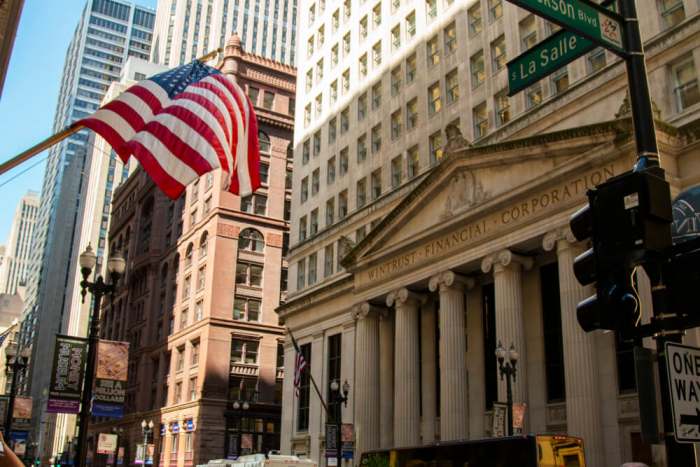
column 264, row 142
column 176, row 266
column 163, row 274
column 290, row 151
column 188, row 255
column 203, row 245
column 251, row 240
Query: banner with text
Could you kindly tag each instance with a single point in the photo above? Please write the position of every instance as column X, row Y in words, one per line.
column 22, row 413
column 106, row 443
column 67, row 375
column 110, row 379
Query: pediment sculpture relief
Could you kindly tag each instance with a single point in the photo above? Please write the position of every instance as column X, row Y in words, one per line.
column 464, row 191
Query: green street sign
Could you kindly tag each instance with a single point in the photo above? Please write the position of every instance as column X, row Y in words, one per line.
column 581, row 17
column 545, row 58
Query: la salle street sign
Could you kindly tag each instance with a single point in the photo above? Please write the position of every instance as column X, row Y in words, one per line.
column 582, row 17
column 545, row 58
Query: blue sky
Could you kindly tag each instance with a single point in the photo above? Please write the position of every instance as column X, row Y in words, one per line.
column 29, row 96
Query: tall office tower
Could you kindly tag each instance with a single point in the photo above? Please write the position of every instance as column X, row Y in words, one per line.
column 380, row 84
column 187, row 29
column 109, row 31
column 13, row 269
column 204, row 275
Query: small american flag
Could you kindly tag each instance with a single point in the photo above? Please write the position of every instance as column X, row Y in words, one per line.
column 299, row 365
column 183, row 123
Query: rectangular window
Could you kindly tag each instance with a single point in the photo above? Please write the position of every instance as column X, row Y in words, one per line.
column 334, row 55
column 361, row 106
column 362, row 65
column 304, row 192
column 560, row 81
column 396, row 125
column 361, row 193
column 362, row 148
column 305, row 151
column 334, row 91
column 452, row 87
column 377, row 54
column 313, row 263
column 342, row 204
column 450, row 38
column 315, row 181
column 435, row 147
column 330, row 211
column 411, row 25
column 412, row 162
column 301, row 274
column 193, row 390
column 395, row 81
column 672, row 12
column 334, row 364
column 244, row 351
column 434, row 98
column 377, row 15
column 330, row 171
column 363, row 27
column 502, row 105
column 481, row 120
column 249, row 274
column 195, row 354
column 596, row 60
column 528, row 33
column 345, row 81
column 396, row 37
column 686, row 84
column 313, row 222
column 305, row 391
column 396, row 172
column 431, row 9
column 498, row 53
column 268, row 99
column 332, row 130
column 246, row 309
column 319, row 105
column 495, row 9
column 302, row 228
column 343, row 161
column 533, row 95
column 432, row 50
column 552, row 333
column 376, row 138
column 377, row 95
column 410, row 68
column 476, row 67
column 328, row 258
column 376, row 184
column 344, row 120
column 412, row 113
column 474, row 18
column 346, row 44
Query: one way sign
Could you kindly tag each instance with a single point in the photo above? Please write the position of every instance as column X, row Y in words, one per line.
column 683, row 366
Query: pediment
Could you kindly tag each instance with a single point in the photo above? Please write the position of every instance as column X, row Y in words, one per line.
column 481, row 182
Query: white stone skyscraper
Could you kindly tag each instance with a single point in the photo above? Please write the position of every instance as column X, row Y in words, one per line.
column 187, row 29
column 108, row 32
column 13, row 270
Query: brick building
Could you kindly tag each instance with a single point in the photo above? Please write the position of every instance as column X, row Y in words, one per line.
column 197, row 303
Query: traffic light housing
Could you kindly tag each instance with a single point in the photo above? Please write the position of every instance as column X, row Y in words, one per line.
column 627, row 220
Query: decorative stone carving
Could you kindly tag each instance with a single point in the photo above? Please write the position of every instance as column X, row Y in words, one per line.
column 464, row 192
column 449, row 279
column 503, row 259
column 455, row 139
column 403, row 296
column 625, row 109
column 551, row 239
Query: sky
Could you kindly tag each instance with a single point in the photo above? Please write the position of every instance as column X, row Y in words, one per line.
column 28, row 99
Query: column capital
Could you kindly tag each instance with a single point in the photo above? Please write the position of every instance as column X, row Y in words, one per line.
column 365, row 309
column 451, row 280
column 503, row 259
column 402, row 296
column 561, row 238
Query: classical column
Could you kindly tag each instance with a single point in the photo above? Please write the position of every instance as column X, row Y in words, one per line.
column 428, row 370
column 454, row 412
column 507, row 276
column 386, row 379
column 367, row 378
column 580, row 373
column 406, row 366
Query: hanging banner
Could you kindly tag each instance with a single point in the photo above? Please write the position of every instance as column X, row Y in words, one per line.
column 519, row 415
column 106, row 443
column 500, row 419
column 120, row 456
column 67, row 375
column 110, row 379
column 22, row 412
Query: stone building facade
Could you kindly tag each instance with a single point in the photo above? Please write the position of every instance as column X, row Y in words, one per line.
column 469, row 246
column 204, row 276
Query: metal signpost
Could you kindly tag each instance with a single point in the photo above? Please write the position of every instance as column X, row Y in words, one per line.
column 683, row 366
column 587, row 25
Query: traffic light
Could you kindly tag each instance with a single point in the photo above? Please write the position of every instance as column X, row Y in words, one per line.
column 628, row 222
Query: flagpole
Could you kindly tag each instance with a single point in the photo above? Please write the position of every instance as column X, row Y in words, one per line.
column 66, row 132
column 311, row 376
column 37, row 148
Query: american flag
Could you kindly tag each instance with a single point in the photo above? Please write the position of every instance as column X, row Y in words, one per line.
column 299, row 364
column 183, row 123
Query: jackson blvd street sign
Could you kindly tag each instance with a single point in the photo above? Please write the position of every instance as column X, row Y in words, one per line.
column 581, row 17
column 683, row 367
column 545, row 58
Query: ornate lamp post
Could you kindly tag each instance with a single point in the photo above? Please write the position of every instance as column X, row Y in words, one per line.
column 15, row 364
column 338, row 399
column 240, row 406
column 508, row 369
column 147, row 429
column 115, row 266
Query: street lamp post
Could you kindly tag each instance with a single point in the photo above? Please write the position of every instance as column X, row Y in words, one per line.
column 15, row 363
column 119, row 431
column 509, row 370
column 240, row 407
column 115, row 266
column 338, row 399
column 147, row 429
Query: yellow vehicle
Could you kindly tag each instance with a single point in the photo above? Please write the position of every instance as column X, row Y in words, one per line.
column 513, row 451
